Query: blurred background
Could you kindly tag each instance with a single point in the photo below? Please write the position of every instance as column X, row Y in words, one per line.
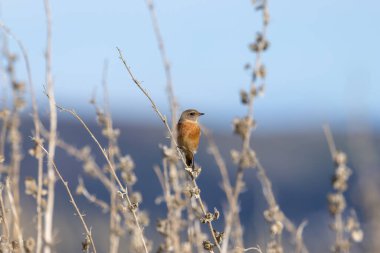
column 322, row 67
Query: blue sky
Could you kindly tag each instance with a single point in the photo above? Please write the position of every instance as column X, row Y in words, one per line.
column 322, row 62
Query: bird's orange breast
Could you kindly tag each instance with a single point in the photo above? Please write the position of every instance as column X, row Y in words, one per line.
column 188, row 135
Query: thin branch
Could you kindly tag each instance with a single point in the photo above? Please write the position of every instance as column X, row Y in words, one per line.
column 82, row 190
column 330, row 140
column 164, row 120
column 72, row 200
column 123, row 190
column 166, row 65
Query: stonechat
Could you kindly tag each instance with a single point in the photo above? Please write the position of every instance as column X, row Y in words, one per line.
column 188, row 134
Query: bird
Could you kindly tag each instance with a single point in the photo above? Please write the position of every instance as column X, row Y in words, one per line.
column 188, row 134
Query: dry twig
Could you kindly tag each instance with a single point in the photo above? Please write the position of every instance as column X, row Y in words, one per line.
column 164, row 120
column 72, row 200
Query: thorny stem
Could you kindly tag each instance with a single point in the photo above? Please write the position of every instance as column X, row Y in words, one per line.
column 164, row 120
column 72, row 200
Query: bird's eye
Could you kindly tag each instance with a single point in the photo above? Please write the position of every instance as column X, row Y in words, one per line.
column 192, row 114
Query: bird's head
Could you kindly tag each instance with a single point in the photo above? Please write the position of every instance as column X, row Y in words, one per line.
column 190, row 114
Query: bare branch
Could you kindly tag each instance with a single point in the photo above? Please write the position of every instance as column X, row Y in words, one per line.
column 72, row 200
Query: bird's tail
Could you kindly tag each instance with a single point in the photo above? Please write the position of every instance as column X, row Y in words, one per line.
column 189, row 156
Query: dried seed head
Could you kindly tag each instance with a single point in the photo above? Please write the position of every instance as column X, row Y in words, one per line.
column 248, row 159
column 244, row 97
column 193, row 172
column 274, row 247
column 15, row 245
column 86, row 244
column 101, row 118
column 19, row 86
column 162, row 226
column 133, row 206
column 219, row 236
column 31, row 187
column 29, row 245
column 261, row 71
column 169, row 153
column 337, row 203
column 129, row 177
column 357, row 235
column 207, row 245
column 127, row 163
column 343, row 246
column 339, row 180
column 273, row 214
column 209, row 217
column 276, row 228
column 235, row 156
column 216, row 214
column 136, row 197
column 242, row 126
column 192, row 191
column 340, row 158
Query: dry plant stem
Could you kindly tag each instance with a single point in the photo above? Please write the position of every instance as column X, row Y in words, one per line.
column 214, row 150
column 72, row 200
column 36, row 122
column 75, row 152
column 166, row 65
column 164, row 120
column 91, row 197
column 4, row 216
column 246, row 148
column 14, row 134
column 114, row 238
column 48, row 236
column 3, row 134
column 227, row 187
column 15, row 215
column 5, row 116
column 299, row 238
column 174, row 214
column 330, row 140
column 123, row 190
column 339, row 223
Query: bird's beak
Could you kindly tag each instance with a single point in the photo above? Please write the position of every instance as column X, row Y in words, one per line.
column 201, row 113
